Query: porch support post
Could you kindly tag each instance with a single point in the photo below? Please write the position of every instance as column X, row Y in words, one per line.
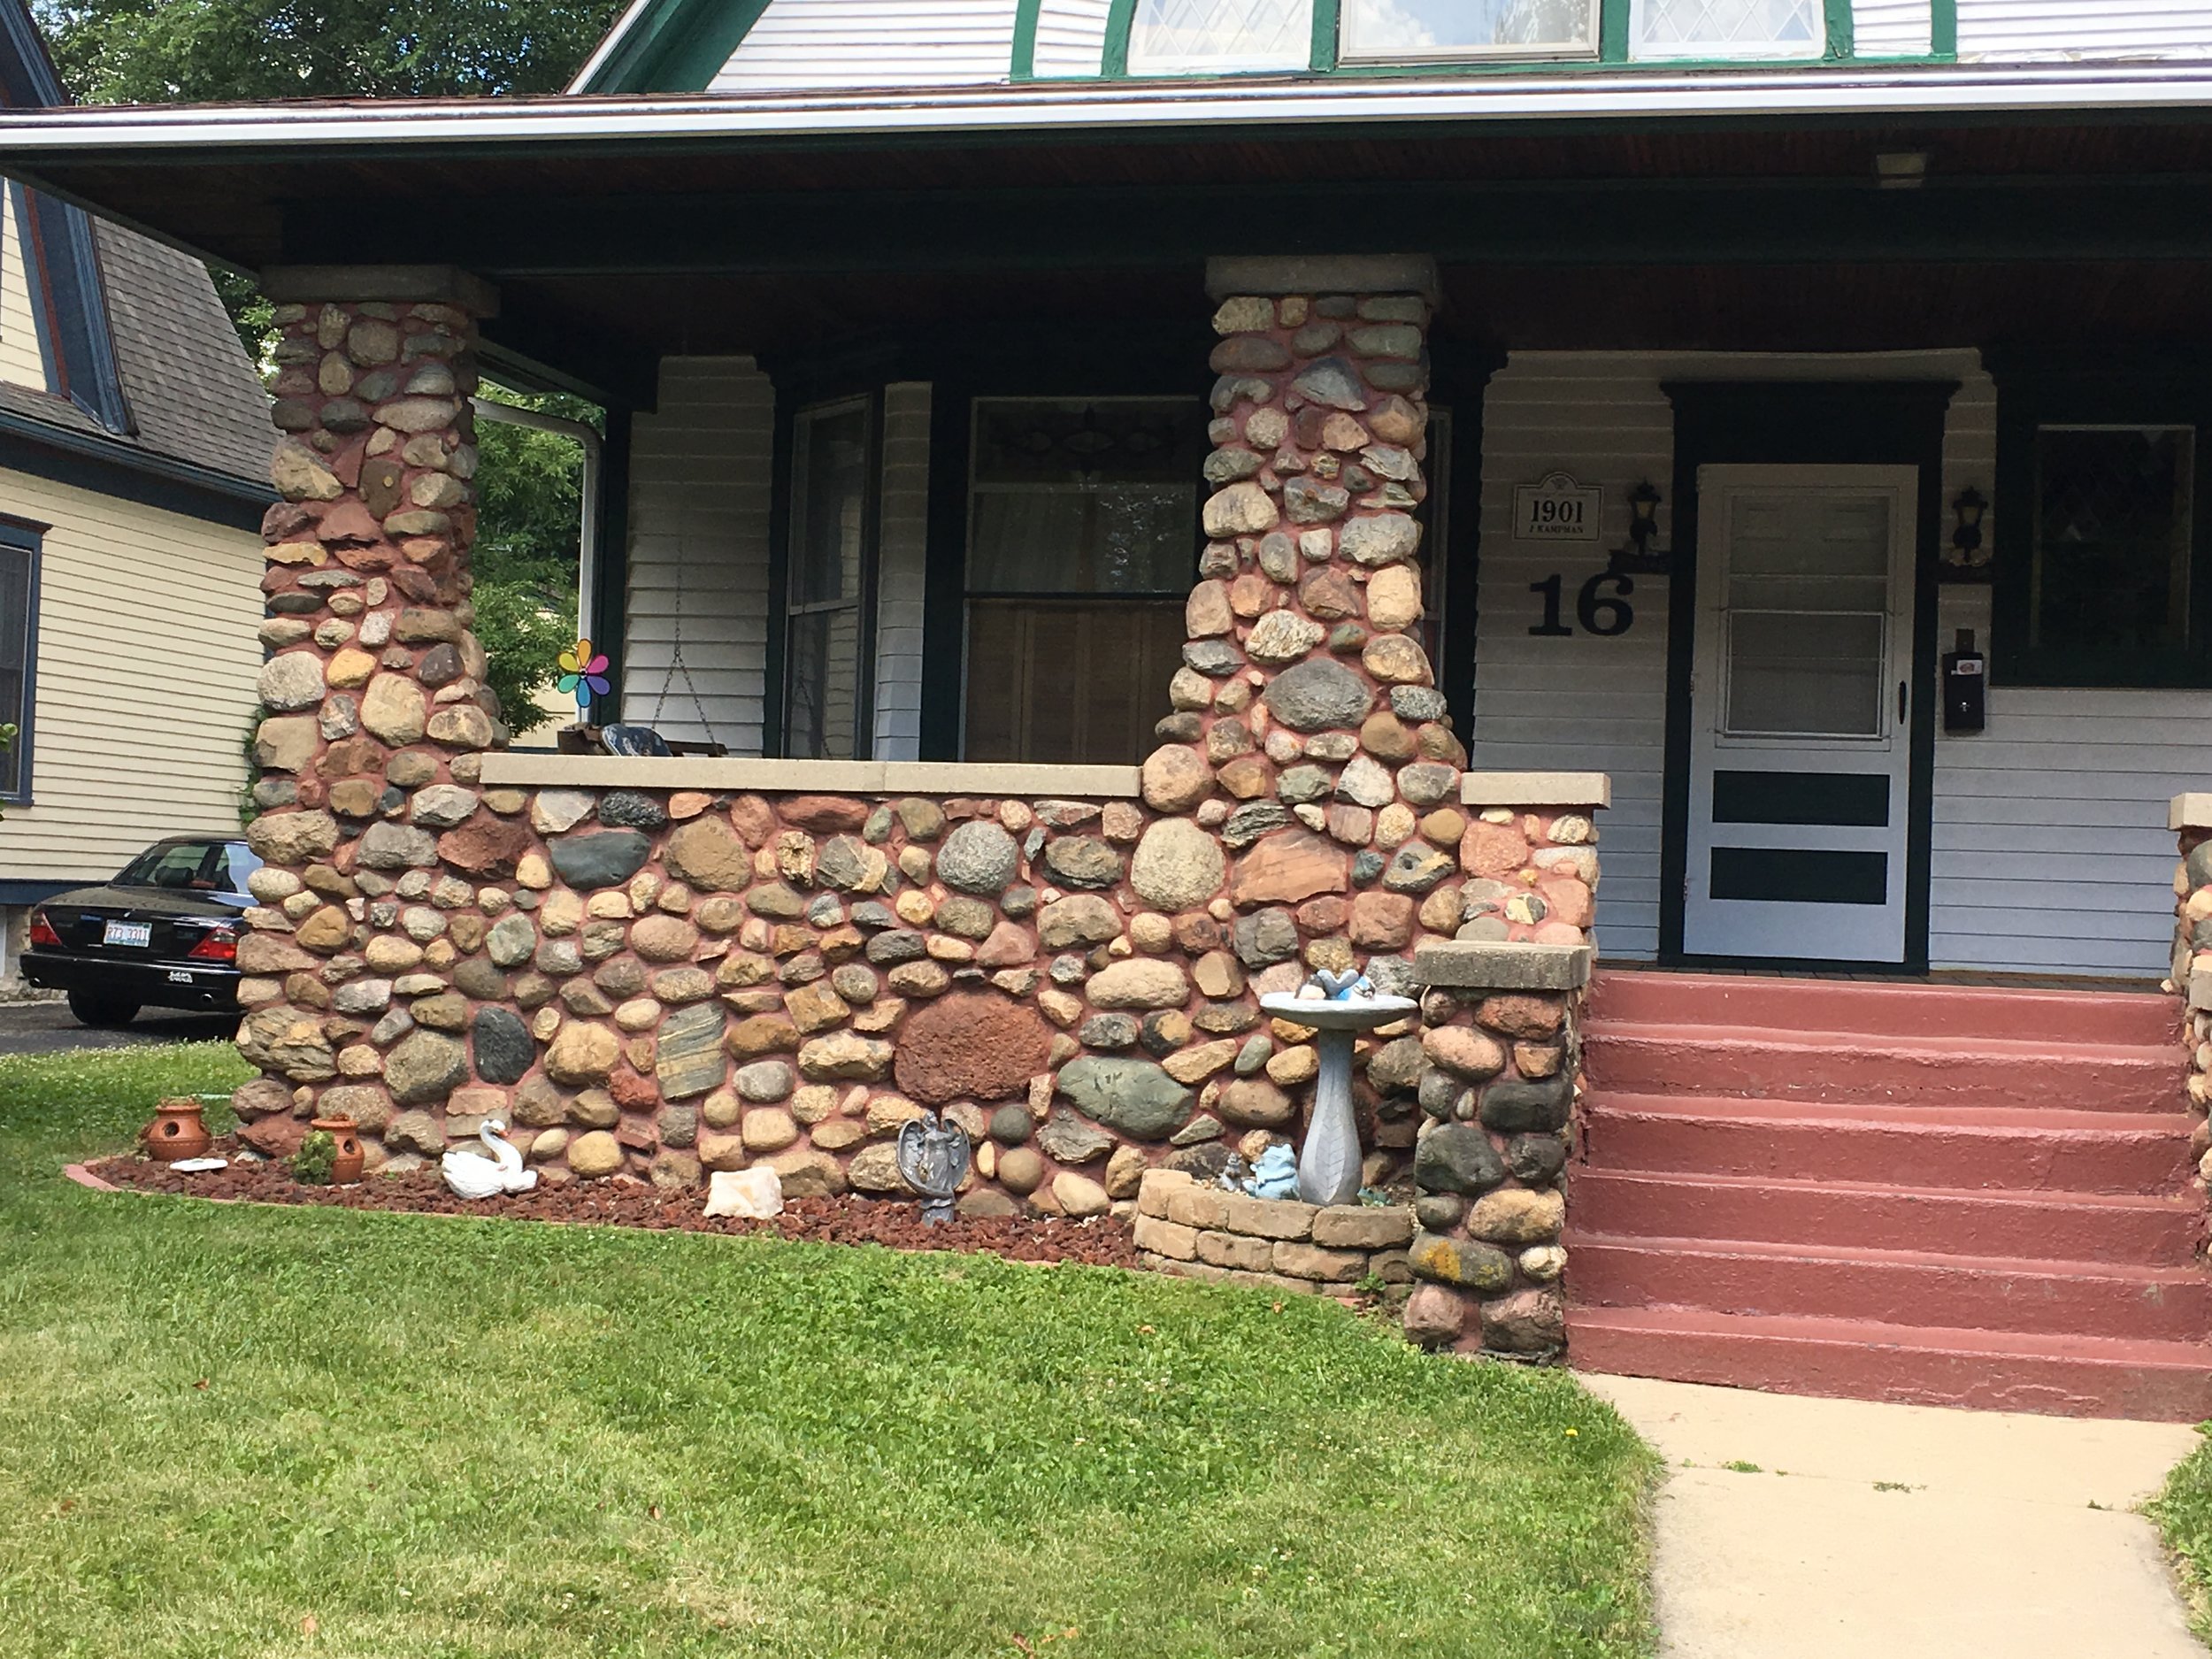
column 1307, row 736
column 375, row 712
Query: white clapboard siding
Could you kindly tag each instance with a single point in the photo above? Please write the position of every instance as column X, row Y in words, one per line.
column 2017, row 30
column 872, row 43
column 21, row 363
column 144, row 681
column 1071, row 37
column 2051, row 845
column 901, row 570
column 700, row 477
column 1890, row 29
column 1587, row 703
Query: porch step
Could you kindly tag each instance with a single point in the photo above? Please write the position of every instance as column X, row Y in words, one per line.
column 2017, row 1148
column 2133, row 1018
column 2134, row 1230
column 1847, row 1067
column 1855, row 1359
column 1952, row 1196
column 2013, row 1294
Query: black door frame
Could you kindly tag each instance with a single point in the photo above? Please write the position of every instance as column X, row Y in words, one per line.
column 1781, row 423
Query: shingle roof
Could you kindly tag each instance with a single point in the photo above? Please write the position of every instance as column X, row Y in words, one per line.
column 193, row 394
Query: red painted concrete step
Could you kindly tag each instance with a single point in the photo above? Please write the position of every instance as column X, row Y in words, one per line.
column 2070, row 1376
column 2063, row 1017
column 2030, row 1297
column 2133, row 1229
column 1907, row 1146
column 1844, row 1067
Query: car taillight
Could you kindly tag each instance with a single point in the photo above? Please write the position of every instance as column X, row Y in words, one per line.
column 219, row 944
column 43, row 931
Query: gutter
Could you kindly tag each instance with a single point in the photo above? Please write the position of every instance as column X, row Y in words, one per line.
column 587, row 530
column 1110, row 106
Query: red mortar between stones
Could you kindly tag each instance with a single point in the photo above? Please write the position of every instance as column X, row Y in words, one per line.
column 662, row 982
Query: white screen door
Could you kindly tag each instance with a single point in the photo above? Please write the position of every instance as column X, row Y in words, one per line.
column 1800, row 709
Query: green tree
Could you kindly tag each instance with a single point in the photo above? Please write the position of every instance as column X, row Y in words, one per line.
column 162, row 51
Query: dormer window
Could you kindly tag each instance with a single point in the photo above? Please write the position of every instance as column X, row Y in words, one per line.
column 1194, row 37
column 1726, row 28
column 1409, row 31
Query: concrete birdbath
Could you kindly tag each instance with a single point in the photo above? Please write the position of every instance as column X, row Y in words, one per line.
column 1328, row 1165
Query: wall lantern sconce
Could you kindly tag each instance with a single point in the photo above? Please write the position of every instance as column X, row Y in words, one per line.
column 1639, row 557
column 1967, row 558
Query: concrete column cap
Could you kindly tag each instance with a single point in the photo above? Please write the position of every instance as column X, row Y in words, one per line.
column 1272, row 274
column 386, row 284
column 1475, row 965
column 2189, row 812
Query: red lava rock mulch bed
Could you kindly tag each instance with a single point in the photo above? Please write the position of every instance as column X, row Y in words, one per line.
column 1099, row 1242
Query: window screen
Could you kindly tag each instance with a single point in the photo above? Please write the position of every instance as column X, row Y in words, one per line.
column 1387, row 30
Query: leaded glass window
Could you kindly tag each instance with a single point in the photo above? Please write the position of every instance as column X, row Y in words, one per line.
column 1180, row 37
column 2114, row 512
column 1398, row 31
column 1727, row 28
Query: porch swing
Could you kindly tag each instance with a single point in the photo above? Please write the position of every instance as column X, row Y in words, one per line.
column 631, row 739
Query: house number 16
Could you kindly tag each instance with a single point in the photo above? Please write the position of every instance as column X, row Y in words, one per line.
column 1600, row 612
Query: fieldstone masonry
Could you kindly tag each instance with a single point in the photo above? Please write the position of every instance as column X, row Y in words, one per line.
column 2190, row 816
column 661, row 976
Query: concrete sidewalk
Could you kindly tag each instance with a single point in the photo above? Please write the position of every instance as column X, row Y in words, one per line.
column 1888, row 1532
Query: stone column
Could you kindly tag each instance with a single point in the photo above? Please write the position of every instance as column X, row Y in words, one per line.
column 1308, row 734
column 375, row 709
column 2190, row 817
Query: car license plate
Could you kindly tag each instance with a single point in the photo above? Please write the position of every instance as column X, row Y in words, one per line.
column 127, row 933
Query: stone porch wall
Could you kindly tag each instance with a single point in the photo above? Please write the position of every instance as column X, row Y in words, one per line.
column 661, row 970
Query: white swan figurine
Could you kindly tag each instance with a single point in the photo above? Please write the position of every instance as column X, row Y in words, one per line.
column 472, row 1176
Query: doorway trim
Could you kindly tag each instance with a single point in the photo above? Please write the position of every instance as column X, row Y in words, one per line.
column 1803, row 423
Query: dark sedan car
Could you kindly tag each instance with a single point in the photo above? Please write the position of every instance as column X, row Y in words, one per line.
column 161, row 934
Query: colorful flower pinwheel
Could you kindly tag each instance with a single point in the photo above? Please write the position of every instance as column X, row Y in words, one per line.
column 584, row 674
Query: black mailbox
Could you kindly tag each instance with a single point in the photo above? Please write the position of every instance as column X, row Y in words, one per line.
column 1965, row 684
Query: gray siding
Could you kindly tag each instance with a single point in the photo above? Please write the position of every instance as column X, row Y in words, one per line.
column 2017, row 30
column 872, row 43
column 1071, row 36
column 900, row 571
column 1890, row 29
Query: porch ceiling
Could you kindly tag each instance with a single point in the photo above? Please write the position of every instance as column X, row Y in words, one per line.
column 610, row 253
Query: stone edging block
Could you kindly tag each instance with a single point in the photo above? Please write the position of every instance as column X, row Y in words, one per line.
column 1480, row 964
column 1587, row 789
column 2189, row 812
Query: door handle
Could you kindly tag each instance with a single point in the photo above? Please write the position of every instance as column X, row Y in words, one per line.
column 1900, row 702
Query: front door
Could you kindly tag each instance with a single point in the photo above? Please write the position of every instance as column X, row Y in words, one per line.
column 1800, row 711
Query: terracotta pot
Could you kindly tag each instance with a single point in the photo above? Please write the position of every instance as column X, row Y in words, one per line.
column 176, row 1132
column 346, row 1167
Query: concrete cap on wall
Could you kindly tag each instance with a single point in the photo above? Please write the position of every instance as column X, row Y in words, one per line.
column 1592, row 789
column 1488, row 965
column 2189, row 812
column 384, row 284
column 1271, row 275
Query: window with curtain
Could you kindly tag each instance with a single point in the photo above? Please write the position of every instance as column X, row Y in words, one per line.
column 1181, row 38
column 1398, row 31
column 828, row 580
column 1727, row 28
column 19, row 625
column 1082, row 544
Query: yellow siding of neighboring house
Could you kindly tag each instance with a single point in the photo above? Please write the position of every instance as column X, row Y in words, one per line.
column 145, row 672
column 20, row 362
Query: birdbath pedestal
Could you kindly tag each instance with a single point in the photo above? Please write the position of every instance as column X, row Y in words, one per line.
column 1328, row 1165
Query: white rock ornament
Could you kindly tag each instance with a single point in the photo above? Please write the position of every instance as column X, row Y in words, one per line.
column 469, row 1175
column 755, row 1194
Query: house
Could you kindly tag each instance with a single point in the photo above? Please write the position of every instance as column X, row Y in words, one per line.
column 1407, row 427
column 132, row 460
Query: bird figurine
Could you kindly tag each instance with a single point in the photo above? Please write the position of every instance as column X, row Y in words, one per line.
column 471, row 1175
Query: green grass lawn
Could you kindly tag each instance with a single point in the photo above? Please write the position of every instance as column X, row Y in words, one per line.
column 232, row 1431
column 2184, row 1513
